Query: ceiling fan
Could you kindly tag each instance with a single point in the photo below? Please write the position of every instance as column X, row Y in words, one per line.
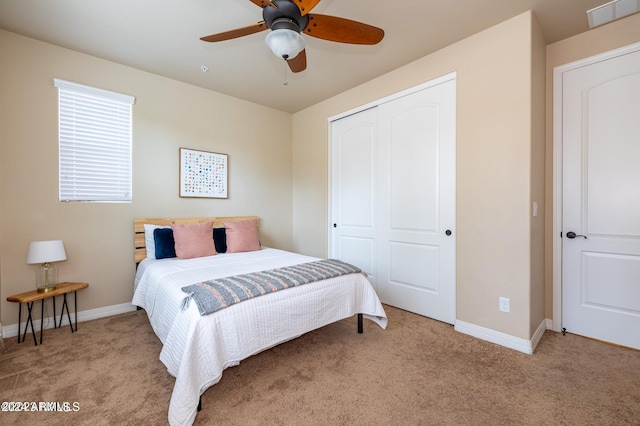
column 288, row 18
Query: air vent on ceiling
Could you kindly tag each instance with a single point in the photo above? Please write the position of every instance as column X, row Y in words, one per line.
column 611, row 11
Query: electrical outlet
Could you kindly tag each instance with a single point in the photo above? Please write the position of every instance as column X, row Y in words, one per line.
column 504, row 304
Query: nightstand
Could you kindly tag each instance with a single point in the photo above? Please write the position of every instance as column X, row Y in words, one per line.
column 33, row 296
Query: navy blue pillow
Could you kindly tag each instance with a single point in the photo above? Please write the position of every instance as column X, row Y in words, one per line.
column 165, row 244
column 220, row 240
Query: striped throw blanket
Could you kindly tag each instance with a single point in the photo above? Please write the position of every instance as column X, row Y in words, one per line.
column 211, row 296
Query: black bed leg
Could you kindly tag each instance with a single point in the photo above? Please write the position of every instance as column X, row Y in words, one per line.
column 200, row 404
column 360, row 323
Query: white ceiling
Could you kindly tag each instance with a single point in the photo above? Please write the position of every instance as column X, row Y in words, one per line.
column 162, row 37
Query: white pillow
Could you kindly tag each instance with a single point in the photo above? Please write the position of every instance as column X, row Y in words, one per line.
column 149, row 241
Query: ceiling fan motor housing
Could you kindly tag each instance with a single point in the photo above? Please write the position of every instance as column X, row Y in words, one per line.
column 287, row 16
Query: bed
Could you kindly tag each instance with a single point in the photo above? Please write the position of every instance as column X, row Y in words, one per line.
column 197, row 348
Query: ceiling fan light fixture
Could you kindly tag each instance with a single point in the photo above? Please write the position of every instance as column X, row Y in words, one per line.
column 285, row 43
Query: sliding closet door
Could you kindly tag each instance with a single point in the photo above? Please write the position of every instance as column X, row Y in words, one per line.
column 353, row 190
column 416, row 203
column 392, row 198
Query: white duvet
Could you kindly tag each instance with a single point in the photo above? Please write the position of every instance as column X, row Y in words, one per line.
column 196, row 349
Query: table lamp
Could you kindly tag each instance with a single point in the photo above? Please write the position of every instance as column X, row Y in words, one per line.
column 45, row 253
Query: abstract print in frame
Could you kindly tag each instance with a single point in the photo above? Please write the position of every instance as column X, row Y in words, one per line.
column 203, row 174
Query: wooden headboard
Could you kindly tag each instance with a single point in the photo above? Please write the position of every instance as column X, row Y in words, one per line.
column 140, row 251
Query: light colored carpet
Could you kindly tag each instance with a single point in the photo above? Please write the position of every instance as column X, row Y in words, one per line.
column 417, row 372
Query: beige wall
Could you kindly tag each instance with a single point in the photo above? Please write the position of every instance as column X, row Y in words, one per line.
column 537, row 178
column 494, row 168
column 599, row 40
column 167, row 115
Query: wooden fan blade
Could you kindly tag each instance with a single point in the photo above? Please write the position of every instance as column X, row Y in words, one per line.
column 238, row 32
column 264, row 3
column 305, row 6
column 342, row 30
column 299, row 63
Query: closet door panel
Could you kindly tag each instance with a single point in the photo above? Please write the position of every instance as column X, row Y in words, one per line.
column 353, row 190
column 416, row 150
column 413, row 169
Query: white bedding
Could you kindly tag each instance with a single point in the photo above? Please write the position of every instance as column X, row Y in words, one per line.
column 196, row 349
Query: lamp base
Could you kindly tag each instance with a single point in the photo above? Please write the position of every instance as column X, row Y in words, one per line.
column 46, row 277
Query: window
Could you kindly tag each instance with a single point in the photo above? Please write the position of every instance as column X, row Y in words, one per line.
column 94, row 128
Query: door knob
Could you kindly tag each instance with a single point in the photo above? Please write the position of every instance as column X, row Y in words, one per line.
column 572, row 235
column 448, row 232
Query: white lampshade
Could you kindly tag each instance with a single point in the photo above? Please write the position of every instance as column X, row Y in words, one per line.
column 46, row 252
column 284, row 43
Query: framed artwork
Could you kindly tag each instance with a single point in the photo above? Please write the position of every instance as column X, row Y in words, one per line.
column 203, row 174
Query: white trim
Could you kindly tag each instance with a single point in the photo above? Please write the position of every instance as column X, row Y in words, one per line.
column 548, row 323
column 537, row 336
column 91, row 314
column 76, row 87
column 502, row 339
column 557, row 200
column 438, row 80
column 558, row 73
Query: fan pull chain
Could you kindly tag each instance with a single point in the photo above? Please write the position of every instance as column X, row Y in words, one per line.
column 285, row 82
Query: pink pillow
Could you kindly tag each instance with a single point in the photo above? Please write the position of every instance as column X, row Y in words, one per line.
column 193, row 240
column 242, row 236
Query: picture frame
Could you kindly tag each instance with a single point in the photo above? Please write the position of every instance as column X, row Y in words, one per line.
column 203, row 174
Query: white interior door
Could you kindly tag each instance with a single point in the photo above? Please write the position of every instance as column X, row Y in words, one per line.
column 601, row 200
column 416, row 203
column 353, row 190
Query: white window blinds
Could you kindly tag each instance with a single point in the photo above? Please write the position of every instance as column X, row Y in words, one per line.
column 95, row 143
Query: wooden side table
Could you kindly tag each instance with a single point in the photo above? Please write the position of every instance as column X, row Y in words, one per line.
column 32, row 296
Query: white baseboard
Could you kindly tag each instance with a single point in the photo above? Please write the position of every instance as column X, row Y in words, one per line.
column 538, row 335
column 91, row 314
column 549, row 323
column 502, row 339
